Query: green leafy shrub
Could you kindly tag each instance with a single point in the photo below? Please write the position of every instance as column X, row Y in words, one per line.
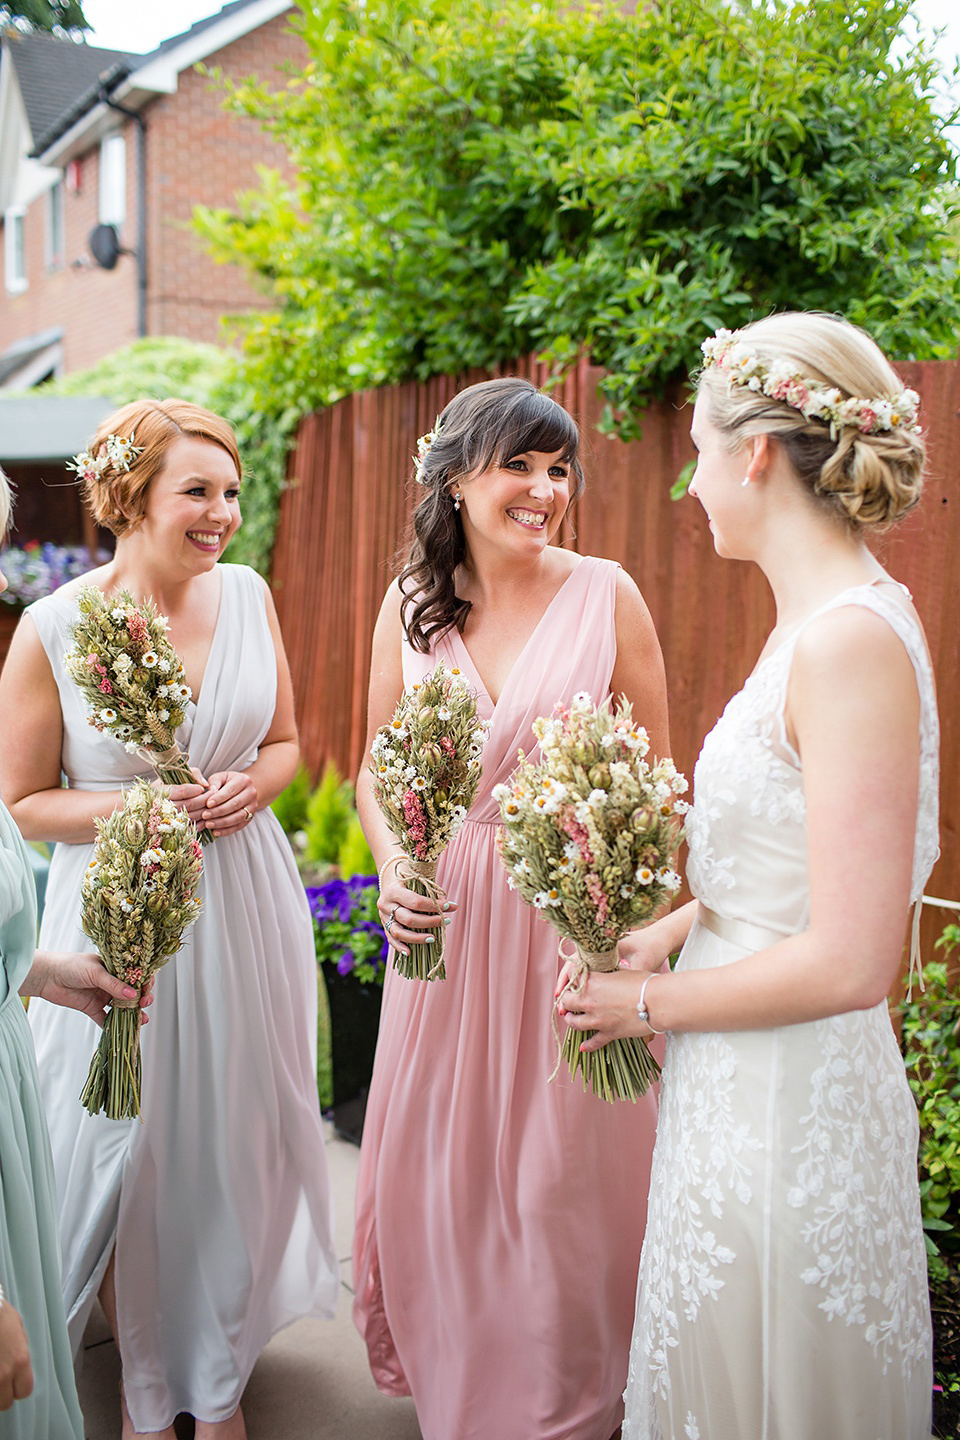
column 290, row 806
column 329, row 812
column 477, row 179
column 931, row 1042
column 354, row 856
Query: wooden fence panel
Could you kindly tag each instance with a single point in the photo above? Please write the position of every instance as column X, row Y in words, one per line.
column 344, row 515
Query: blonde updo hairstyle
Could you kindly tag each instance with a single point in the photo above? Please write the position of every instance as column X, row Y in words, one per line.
column 868, row 480
column 117, row 498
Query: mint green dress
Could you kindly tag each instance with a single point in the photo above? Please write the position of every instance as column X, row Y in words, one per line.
column 29, row 1247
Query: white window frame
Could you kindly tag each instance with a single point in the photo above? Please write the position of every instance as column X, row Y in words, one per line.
column 15, row 249
column 55, row 240
column 113, row 179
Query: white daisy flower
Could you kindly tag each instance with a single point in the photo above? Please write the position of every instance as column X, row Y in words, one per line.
column 150, row 658
column 545, row 805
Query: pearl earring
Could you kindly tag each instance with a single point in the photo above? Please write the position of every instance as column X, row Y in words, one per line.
column 745, row 481
column 456, row 500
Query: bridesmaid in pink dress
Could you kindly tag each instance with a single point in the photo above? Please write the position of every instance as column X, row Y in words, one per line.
column 480, row 1181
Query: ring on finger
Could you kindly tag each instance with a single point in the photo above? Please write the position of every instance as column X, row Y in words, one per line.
column 248, row 812
column 387, row 924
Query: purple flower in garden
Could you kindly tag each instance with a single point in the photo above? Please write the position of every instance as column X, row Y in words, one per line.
column 349, row 936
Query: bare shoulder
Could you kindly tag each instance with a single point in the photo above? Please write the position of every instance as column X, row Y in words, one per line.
column 633, row 619
column 842, row 645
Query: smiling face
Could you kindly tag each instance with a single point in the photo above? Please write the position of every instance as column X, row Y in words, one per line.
column 192, row 506
column 518, row 503
column 718, row 483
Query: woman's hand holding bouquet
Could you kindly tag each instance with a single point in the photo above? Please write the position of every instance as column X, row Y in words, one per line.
column 589, row 837
column 426, row 770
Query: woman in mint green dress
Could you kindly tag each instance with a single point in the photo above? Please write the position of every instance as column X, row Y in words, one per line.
column 38, row 1396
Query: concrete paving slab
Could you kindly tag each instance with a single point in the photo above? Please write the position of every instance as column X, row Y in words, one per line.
column 312, row 1380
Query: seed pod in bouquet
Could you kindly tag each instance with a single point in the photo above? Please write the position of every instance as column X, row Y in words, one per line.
column 426, row 767
column 590, row 843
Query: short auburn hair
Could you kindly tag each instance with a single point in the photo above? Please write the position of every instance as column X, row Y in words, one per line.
column 117, row 498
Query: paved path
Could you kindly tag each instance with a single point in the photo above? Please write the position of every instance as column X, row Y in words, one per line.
column 311, row 1382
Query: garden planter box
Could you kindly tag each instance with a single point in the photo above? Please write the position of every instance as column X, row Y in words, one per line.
column 354, row 1021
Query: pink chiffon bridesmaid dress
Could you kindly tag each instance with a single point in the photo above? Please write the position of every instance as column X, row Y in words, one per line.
column 500, row 1217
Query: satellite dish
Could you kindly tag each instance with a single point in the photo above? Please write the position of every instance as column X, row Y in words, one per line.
column 105, row 246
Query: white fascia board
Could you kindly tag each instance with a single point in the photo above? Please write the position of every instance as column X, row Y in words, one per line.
column 88, row 131
column 15, row 139
column 161, row 76
column 21, row 179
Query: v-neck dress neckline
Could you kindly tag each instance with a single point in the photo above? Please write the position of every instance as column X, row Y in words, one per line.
column 515, row 669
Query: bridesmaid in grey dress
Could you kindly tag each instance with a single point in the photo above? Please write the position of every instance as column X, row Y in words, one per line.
column 783, row 1285
column 205, row 1228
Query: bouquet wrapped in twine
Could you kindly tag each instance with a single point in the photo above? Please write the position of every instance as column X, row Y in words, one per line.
column 132, row 679
column 588, row 838
column 426, row 769
column 138, row 898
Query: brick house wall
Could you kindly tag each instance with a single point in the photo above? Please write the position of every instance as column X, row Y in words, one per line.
column 197, row 153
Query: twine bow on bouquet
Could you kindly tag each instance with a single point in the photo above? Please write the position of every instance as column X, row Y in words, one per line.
column 588, row 838
column 138, row 898
column 426, row 770
column 132, row 679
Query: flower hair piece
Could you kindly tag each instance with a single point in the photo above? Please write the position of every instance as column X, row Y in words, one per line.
column 423, row 450
column 116, row 450
column 778, row 380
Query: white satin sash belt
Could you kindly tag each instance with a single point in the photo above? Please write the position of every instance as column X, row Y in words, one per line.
column 738, row 932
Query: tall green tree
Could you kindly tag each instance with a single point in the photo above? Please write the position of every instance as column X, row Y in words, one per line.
column 46, row 14
column 481, row 178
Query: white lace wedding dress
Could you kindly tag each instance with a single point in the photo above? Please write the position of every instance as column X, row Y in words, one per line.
column 783, row 1285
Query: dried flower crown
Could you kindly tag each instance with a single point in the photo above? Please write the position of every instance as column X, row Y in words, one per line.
column 116, row 450
column 778, row 380
column 423, row 450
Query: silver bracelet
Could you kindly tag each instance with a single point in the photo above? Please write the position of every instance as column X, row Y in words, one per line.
column 642, row 1011
column 3, row 1298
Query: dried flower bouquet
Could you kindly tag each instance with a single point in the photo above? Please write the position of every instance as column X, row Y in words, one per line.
column 138, row 898
column 426, row 770
column 588, row 837
column 132, row 679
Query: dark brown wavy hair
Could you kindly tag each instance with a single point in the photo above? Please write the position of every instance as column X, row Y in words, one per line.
column 486, row 424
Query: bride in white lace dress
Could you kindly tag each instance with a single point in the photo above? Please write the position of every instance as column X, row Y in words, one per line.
column 783, row 1286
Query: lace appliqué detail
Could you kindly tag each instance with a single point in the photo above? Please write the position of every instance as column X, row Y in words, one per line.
column 703, row 1157
column 855, row 1181
column 705, row 870
column 743, row 763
